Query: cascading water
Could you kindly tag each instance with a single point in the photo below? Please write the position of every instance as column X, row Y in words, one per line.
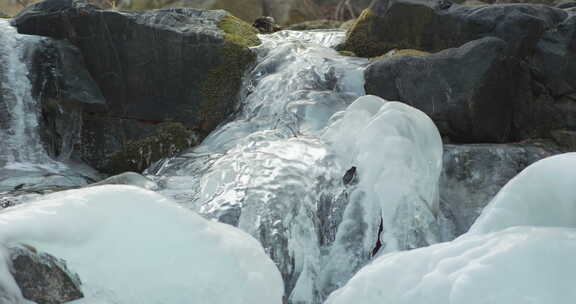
column 311, row 174
column 20, row 140
column 24, row 160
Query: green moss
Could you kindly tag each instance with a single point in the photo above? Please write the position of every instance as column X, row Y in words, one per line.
column 372, row 36
column 238, row 32
column 359, row 39
column 405, row 52
column 169, row 139
column 347, row 53
column 223, row 82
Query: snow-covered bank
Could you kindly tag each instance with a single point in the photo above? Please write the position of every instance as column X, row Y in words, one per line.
column 519, row 251
column 131, row 245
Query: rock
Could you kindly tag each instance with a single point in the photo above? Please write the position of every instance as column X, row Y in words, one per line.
column 129, row 178
column 172, row 65
column 554, row 60
column 566, row 5
column 473, row 174
column 565, row 139
column 470, row 92
column 437, row 25
column 315, row 25
column 43, row 278
column 266, row 25
column 65, row 90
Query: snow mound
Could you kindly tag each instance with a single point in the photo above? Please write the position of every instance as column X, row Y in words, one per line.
column 130, row 245
column 518, row 265
column 540, row 195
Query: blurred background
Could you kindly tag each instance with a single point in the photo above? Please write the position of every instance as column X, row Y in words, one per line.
column 284, row 11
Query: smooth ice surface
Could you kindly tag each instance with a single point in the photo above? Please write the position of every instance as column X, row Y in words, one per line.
column 520, row 250
column 541, row 195
column 518, row 265
column 130, row 245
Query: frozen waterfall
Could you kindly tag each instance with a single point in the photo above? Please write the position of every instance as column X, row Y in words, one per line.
column 23, row 158
column 312, row 170
column 20, row 139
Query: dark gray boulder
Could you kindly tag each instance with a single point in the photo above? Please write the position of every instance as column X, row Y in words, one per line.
column 470, row 92
column 554, row 60
column 437, row 25
column 43, row 278
column 173, row 65
column 473, row 174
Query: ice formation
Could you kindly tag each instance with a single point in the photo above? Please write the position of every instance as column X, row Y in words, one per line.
column 131, row 245
column 520, row 250
column 276, row 169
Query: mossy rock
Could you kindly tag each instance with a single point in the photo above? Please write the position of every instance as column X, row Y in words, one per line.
column 170, row 138
column 359, row 40
column 225, row 80
column 347, row 53
column 346, row 25
column 364, row 40
column 405, row 52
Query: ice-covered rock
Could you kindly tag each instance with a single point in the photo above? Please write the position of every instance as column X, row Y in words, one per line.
column 541, row 195
column 520, row 250
column 514, row 266
column 130, row 245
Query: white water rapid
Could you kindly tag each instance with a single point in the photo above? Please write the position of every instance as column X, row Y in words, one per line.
column 311, row 172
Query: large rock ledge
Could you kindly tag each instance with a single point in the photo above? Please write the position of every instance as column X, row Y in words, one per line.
column 485, row 74
column 181, row 66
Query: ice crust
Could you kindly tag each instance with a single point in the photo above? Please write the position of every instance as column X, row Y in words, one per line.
column 520, row 250
column 131, row 245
